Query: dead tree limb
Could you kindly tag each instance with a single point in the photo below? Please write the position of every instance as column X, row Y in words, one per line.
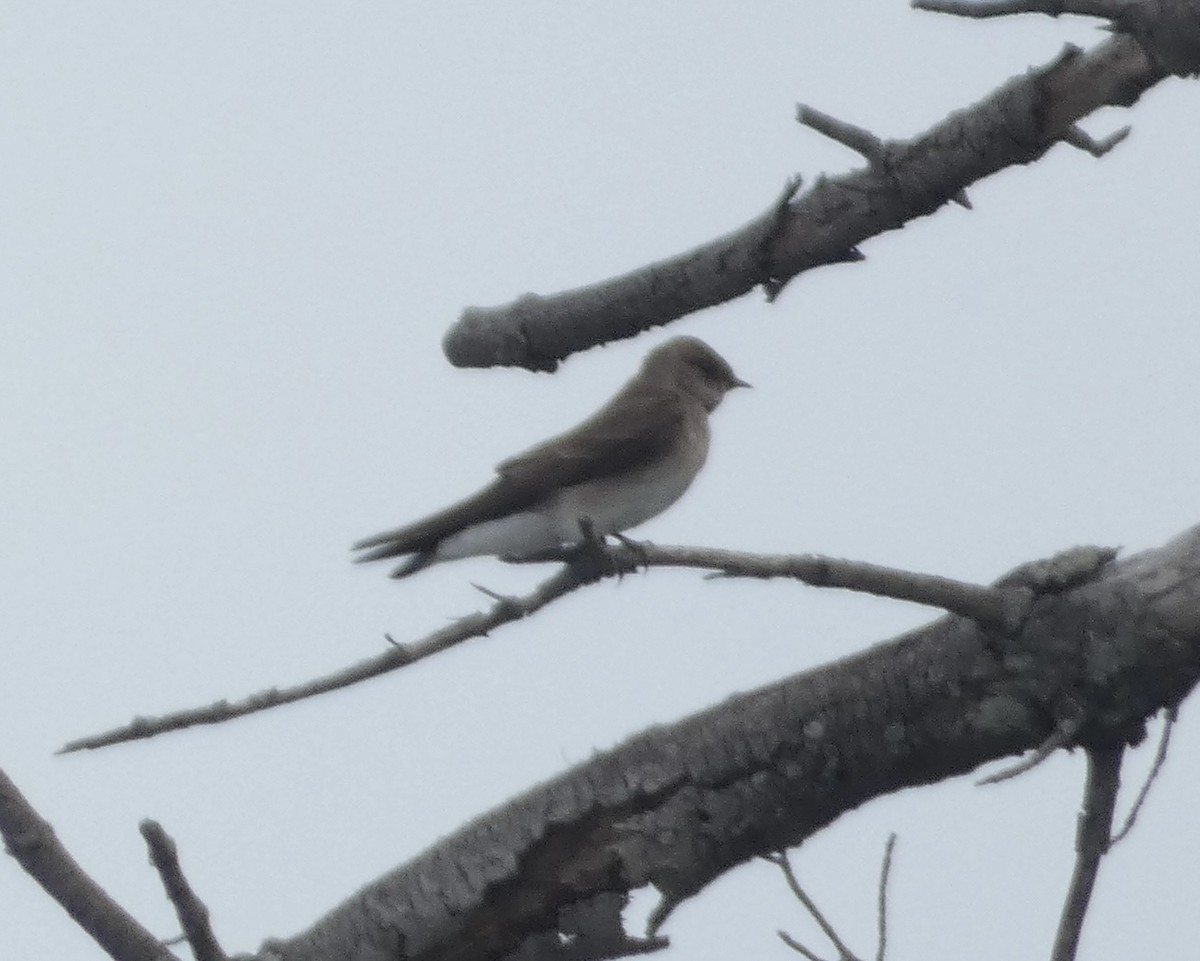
column 677, row 806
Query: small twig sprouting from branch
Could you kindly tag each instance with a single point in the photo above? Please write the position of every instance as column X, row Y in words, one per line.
column 780, row 860
column 858, row 139
column 861, row 141
column 1080, row 139
column 191, row 911
column 1063, row 734
column 1160, row 756
column 1092, row 841
column 885, row 871
column 773, row 284
column 797, row 946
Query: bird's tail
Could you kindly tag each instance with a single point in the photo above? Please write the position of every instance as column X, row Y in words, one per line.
column 422, row 538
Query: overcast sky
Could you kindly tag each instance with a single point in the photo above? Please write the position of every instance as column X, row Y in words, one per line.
column 232, row 236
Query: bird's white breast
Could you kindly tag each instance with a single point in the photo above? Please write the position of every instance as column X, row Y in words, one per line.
column 625, row 500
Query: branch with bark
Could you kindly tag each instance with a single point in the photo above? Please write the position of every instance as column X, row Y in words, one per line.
column 904, row 180
column 677, row 806
column 1001, row 606
column 546, row 876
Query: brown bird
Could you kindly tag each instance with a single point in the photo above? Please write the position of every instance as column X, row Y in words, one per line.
column 626, row 463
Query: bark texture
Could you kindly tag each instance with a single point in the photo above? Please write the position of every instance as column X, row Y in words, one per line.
column 1102, row 646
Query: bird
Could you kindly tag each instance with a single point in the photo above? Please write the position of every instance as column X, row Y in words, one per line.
column 628, row 462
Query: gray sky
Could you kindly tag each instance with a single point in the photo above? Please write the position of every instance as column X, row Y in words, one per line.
column 232, row 238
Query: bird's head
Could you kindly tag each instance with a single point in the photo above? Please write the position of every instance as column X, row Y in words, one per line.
column 694, row 368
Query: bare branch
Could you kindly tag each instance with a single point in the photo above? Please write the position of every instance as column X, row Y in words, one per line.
column 537, row 332
column 1000, row 607
column 797, row 946
column 1016, row 124
column 990, row 606
column 986, row 605
column 1081, row 140
column 780, row 860
column 858, row 139
column 31, row 840
column 502, row 612
column 1092, row 842
column 1168, row 30
column 678, row 805
column 885, row 871
column 191, row 911
column 1160, row 756
column 980, row 9
column 1063, row 734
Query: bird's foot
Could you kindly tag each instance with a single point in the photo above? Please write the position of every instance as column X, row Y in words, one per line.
column 638, row 549
column 593, row 557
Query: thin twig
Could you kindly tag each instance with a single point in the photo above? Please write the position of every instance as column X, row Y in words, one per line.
column 1062, row 735
column 979, row 9
column 772, row 284
column 191, row 911
column 1092, row 841
column 1082, row 140
column 780, row 859
column 884, row 871
column 797, row 946
column 858, row 139
column 1160, row 756
column 988, row 605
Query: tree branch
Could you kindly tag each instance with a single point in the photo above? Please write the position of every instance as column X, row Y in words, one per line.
column 1017, row 124
column 678, row 805
column 31, row 840
column 1091, row 844
column 996, row 608
column 885, row 871
column 781, row 860
column 191, row 911
column 504, row 611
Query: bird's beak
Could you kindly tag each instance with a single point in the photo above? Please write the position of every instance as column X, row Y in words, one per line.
column 738, row 382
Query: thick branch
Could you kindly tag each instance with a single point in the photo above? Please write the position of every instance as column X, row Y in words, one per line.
column 1016, row 124
column 677, row 806
column 33, row 843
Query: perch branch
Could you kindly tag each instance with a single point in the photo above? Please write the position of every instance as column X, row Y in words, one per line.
column 999, row 608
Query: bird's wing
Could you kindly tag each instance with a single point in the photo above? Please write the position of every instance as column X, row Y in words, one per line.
column 496, row 500
column 637, row 426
